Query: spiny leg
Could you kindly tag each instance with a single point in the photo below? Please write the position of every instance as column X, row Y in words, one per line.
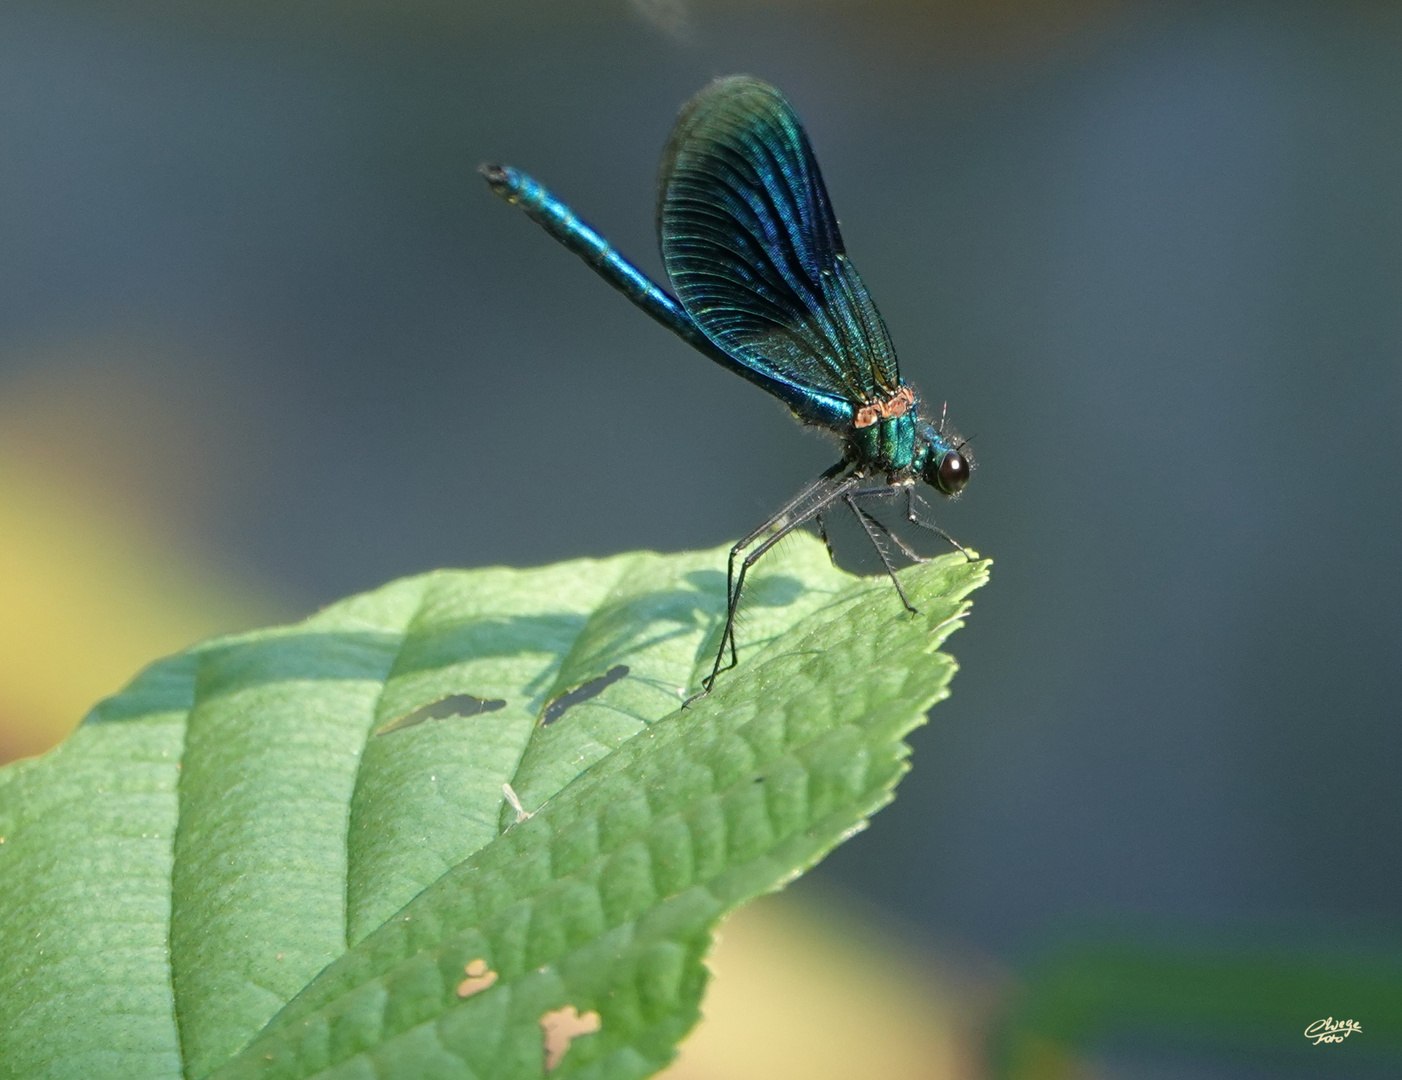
column 870, row 525
column 915, row 519
column 818, row 518
column 823, row 533
column 728, row 634
column 776, row 518
column 782, row 525
column 906, row 549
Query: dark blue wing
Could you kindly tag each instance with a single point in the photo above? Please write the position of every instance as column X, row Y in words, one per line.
column 753, row 251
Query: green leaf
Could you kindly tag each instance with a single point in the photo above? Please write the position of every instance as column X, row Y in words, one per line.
column 289, row 853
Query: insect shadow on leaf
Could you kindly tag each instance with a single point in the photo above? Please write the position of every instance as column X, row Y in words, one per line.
column 593, row 688
column 460, row 705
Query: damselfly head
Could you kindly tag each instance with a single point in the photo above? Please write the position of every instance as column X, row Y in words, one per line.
column 948, row 462
column 947, row 472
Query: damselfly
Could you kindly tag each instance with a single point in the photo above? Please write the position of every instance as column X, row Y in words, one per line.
column 764, row 287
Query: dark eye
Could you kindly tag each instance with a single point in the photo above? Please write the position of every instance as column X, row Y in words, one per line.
column 953, row 472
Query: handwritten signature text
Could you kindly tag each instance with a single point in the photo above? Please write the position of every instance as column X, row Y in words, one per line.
column 1331, row 1030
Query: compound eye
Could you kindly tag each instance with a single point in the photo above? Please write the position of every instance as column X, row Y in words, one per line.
column 953, row 472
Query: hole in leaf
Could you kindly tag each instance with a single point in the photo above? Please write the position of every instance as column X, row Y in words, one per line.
column 562, row 1027
column 593, row 688
column 453, row 705
column 479, row 977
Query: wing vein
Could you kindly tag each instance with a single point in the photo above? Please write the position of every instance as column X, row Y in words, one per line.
column 754, row 252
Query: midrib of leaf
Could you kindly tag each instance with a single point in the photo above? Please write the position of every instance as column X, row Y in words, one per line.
column 427, row 797
column 258, row 888
column 85, row 891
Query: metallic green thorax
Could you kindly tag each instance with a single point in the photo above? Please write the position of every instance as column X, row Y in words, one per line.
column 889, row 445
column 898, row 446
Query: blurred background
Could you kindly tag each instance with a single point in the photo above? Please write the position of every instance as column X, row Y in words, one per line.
column 266, row 340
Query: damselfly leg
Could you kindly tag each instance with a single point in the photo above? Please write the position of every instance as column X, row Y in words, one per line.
column 875, row 530
column 913, row 516
column 808, row 504
column 839, row 485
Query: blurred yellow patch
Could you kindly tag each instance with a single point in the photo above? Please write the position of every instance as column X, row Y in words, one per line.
column 802, row 992
column 87, row 598
column 108, row 456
